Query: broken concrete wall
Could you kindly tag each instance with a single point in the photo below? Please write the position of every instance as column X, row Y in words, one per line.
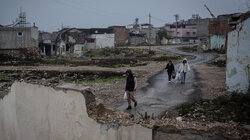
column 203, row 34
column 35, row 112
column 238, row 60
column 103, row 40
column 218, row 42
column 135, row 40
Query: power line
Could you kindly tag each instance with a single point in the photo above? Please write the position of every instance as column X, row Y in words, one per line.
column 76, row 6
column 162, row 20
column 97, row 9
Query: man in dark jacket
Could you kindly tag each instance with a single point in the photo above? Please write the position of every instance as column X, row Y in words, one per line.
column 170, row 69
column 130, row 88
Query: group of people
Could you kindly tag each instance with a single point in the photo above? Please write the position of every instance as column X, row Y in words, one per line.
column 183, row 69
column 131, row 81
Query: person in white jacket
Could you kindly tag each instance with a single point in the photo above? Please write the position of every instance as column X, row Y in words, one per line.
column 183, row 69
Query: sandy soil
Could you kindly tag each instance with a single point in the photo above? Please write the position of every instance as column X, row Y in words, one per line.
column 213, row 79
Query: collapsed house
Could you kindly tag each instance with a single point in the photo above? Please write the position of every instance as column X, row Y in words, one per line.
column 238, row 54
column 212, row 32
column 73, row 41
column 143, row 34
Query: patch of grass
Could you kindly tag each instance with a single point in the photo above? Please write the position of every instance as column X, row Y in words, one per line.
column 137, row 74
column 189, row 48
column 124, row 52
column 234, row 107
column 184, row 108
column 2, row 76
column 219, row 63
column 97, row 80
column 103, row 52
column 167, row 58
column 219, row 51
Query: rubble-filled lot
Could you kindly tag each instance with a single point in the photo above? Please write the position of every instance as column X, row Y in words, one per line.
column 104, row 57
column 53, row 78
column 107, row 84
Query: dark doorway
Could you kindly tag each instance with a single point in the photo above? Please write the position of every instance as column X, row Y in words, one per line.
column 48, row 50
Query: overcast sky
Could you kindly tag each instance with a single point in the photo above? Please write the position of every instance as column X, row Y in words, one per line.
column 49, row 15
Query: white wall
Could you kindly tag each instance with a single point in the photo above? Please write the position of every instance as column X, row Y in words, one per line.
column 238, row 58
column 61, row 49
column 35, row 112
column 218, row 42
column 104, row 40
column 78, row 49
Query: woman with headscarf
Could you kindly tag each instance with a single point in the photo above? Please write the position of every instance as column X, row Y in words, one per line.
column 170, row 69
column 183, row 69
column 130, row 88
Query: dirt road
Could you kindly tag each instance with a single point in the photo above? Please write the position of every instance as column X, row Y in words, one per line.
column 160, row 95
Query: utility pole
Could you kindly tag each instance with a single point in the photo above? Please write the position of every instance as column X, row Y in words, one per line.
column 176, row 20
column 150, row 28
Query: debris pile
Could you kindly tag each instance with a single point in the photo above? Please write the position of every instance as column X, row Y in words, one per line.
column 49, row 78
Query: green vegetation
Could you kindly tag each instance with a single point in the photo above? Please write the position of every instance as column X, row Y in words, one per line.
column 219, row 63
column 103, row 52
column 219, row 51
column 166, row 59
column 2, row 76
column 97, row 80
column 234, row 107
column 190, row 49
column 121, row 52
column 110, row 79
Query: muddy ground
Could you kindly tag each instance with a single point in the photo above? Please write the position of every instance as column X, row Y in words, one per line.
column 109, row 90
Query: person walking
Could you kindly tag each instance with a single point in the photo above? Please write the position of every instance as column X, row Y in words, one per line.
column 130, row 88
column 183, row 69
column 170, row 69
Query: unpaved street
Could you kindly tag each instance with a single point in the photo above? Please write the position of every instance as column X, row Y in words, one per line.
column 159, row 95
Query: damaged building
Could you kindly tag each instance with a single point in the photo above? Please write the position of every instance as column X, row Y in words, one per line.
column 121, row 35
column 212, row 32
column 184, row 31
column 99, row 37
column 238, row 54
column 143, row 34
column 18, row 36
column 72, row 42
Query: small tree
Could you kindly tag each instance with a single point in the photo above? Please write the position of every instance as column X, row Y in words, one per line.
column 163, row 33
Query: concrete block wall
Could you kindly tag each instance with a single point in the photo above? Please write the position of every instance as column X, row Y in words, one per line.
column 238, row 58
column 104, row 40
column 10, row 38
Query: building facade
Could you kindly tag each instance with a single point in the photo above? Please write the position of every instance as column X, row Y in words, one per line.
column 121, row 35
column 16, row 38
